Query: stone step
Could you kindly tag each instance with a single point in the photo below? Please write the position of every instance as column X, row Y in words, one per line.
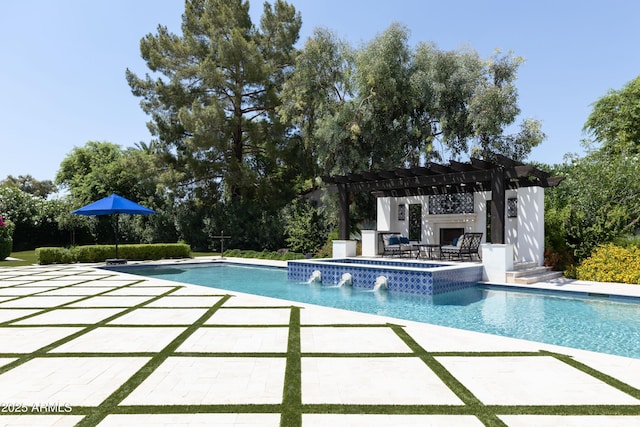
column 541, row 277
column 528, row 271
column 522, row 265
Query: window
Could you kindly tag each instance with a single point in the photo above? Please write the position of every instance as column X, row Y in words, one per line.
column 512, row 207
column 456, row 203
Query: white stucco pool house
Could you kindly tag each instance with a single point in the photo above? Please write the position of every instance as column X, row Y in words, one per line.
column 432, row 205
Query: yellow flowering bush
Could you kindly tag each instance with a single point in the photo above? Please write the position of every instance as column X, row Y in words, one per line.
column 611, row 263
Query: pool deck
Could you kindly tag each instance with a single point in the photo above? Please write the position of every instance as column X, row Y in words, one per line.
column 82, row 345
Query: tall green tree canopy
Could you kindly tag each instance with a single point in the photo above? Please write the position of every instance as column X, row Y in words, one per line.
column 615, row 119
column 598, row 201
column 389, row 105
column 100, row 168
column 213, row 93
column 30, row 185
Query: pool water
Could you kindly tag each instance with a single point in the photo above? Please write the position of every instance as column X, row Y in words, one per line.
column 595, row 324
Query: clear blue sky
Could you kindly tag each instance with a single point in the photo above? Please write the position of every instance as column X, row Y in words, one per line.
column 62, row 78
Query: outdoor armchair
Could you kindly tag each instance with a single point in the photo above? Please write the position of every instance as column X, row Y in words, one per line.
column 468, row 245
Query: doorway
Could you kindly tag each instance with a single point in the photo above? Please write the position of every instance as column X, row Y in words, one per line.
column 415, row 222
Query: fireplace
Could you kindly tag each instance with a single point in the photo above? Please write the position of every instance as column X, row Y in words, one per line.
column 448, row 234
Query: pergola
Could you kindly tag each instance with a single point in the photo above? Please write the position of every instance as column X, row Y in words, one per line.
column 496, row 175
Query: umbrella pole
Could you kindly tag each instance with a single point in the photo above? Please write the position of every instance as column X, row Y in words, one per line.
column 116, row 228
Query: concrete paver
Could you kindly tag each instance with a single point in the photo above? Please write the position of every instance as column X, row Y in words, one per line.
column 351, row 340
column 533, row 380
column 80, row 316
column 349, row 420
column 237, row 340
column 374, row 381
column 212, row 380
column 121, row 339
column 243, row 316
column 76, row 381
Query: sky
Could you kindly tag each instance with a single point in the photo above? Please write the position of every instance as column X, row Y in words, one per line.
column 62, row 79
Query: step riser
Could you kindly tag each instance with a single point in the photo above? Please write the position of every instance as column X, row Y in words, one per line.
column 524, row 265
column 528, row 272
column 527, row 280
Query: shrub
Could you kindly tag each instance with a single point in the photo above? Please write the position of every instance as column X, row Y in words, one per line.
column 305, row 226
column 286, row 256
column 611, row 263
column 559, row 260
column 99, row 253
column 55, row 256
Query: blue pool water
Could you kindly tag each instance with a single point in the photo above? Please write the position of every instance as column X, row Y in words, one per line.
column 588, row 323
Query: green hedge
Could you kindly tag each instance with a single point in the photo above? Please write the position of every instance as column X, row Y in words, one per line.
column 238, row 253
column 99, row 253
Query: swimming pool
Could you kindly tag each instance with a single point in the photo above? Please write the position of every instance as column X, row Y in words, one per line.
column 588, row 323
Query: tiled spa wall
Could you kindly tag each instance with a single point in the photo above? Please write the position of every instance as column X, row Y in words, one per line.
column 410, row 279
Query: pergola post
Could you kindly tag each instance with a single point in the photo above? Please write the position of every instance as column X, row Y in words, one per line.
column 497, row 205
column 343, row 223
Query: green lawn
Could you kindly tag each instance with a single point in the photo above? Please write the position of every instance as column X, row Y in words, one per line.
column 195, row 254
column 29, row 258
column 24, row 257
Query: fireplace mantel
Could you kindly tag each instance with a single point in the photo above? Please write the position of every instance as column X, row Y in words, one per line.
column 451, row 218
column 465, row 222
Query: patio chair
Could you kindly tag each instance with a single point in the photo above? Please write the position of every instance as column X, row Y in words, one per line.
column 395, row 244
column 468, row 245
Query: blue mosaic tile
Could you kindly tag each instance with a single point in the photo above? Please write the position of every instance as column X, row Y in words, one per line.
column 364, row 275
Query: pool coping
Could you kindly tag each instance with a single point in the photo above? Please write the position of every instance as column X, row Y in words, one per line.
column 560, row 285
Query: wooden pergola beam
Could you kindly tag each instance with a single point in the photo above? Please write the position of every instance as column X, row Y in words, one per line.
column 496, row 175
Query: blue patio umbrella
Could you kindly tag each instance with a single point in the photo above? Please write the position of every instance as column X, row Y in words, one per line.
column 113, row 205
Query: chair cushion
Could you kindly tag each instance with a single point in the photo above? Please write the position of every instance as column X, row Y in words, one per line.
column 394, row 240
column 404, row 240
column 459, row 242
column 454, row 242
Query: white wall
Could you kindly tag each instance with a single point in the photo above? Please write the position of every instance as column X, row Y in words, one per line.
column 530, row 242
column 388, row 213
column 384, row 213
column 525, row 232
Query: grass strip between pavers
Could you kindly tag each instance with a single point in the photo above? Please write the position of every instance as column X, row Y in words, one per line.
column 53, row 287
column 86, row 329
column 44, row 310
column 613, row 382
column 566, row 410
column 488, row 417
column 291, row 415
column 110, row 403
column 381, row 409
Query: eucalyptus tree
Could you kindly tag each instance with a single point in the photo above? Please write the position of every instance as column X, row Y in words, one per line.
column 388, row 105
column 213, row 93
column 318, row 99
column 462, row 105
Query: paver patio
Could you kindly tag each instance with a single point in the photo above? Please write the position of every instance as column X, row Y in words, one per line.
column 80, row 345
